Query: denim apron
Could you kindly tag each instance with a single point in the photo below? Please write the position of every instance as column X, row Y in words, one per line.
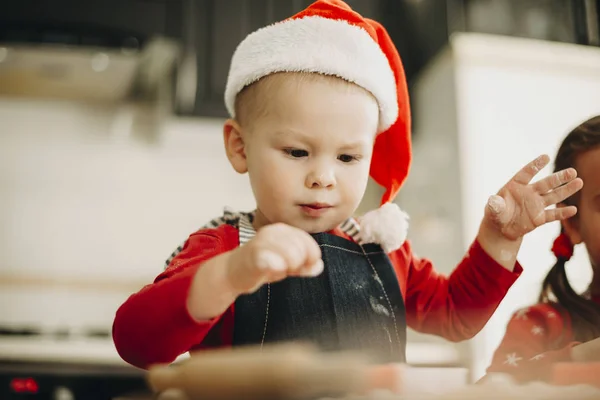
column 355, row 304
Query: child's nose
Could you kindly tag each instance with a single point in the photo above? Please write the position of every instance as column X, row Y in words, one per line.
column 321, row 178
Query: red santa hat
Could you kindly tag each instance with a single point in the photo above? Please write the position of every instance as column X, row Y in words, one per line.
column 330, row 38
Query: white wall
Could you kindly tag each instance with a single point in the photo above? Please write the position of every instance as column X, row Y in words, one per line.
column 517, row 99
column 91, row 205
column 79, row 198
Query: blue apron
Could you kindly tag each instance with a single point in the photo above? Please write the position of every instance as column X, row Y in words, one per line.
column 355, row 304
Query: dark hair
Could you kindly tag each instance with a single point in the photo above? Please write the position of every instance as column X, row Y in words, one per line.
column 584, row 313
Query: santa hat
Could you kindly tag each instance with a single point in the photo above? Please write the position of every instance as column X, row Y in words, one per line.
column 330, row 38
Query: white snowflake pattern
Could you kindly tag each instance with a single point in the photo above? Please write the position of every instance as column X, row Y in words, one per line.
column 522, row 314
column 512, row 359
column 537, row 330
column 551, row 314
column 536, row 358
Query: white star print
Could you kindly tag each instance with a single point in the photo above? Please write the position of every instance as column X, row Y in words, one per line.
column 522, row 314
column 512, row 359
column 537, row 330
column 536, row 358
column 551, row 314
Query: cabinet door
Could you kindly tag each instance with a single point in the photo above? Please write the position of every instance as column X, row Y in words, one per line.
column 220, row 25
column 70, row 22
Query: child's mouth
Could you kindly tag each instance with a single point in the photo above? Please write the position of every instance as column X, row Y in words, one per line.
column 315, row 209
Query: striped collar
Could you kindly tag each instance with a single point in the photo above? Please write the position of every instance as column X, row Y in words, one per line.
column 243, row 222
column 246, row 230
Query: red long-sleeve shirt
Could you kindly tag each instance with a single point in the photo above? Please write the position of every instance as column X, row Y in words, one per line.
column 536, row 338
column 154, row 325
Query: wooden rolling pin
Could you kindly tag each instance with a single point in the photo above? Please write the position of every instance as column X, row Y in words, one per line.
column 287, row 371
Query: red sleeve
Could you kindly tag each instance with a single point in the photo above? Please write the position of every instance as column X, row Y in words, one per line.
column 535, row 339
column 458, row 306
column 154, row 325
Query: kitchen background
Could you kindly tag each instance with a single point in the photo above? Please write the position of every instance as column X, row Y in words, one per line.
column 111, row 150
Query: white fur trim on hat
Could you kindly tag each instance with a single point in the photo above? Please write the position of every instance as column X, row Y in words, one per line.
column 386, row 226
column 315, row 44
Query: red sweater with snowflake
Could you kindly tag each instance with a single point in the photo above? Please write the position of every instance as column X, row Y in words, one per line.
column 536, row 338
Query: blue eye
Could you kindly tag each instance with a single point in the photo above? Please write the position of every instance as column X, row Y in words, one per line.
column 347, row 158
column 296, row 153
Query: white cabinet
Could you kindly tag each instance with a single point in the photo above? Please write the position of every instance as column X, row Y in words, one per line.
column 490, row 104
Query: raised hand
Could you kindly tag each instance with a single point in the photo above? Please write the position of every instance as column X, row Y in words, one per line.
column 521, row 206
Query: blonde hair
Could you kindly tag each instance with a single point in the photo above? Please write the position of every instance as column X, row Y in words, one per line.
column 252, row 102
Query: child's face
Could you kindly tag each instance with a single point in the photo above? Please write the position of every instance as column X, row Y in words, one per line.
column 585, row 226
column 308, row 157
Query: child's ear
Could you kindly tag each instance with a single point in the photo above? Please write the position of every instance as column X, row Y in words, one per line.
column 571, row 227
column 234, row 146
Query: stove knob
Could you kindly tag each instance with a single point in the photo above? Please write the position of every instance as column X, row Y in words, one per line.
column 63, row 393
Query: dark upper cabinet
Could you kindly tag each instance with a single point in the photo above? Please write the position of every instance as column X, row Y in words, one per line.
column 90, row 22
column 218, row 26
column 208, row 31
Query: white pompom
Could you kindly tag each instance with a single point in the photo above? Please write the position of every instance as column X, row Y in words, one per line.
column 387, row 226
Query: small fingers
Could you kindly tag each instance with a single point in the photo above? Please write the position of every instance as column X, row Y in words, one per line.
column 526, row 174
column 302, row 250
column 313, row 251
column 559, row 213
column 267, row 260
column 287, row 245
column 294, row 251
column 555, row 180
column 313, row 264
column 563, row 192
column 281, row 251
column 312, row 270
column 291, row 250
